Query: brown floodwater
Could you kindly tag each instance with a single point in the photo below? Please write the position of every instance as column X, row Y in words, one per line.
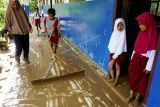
column 88, row 90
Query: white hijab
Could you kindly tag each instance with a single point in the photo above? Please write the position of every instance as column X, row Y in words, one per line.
column 118, row 42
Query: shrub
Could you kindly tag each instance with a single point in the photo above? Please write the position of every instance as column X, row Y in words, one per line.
column 32, row 6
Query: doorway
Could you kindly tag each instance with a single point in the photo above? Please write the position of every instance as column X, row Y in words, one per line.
column 129, row 10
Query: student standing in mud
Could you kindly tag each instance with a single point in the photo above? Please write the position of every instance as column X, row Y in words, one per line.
column 143, row 56
column 43, row 24
column 17, row 22
column 117, row 47
column 52, row 29
column 37, row 19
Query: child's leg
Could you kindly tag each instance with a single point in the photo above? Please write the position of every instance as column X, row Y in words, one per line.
column 39, row 23
column 55, row 48
column 51, row 44
column 136, row 101
column 117, row 74
column 110, row 67
column 36, row 24
column 131, row 97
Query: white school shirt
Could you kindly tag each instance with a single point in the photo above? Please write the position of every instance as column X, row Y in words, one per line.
column 150, row 54
column 118, row 43
column 50, row 26
column 36, row 16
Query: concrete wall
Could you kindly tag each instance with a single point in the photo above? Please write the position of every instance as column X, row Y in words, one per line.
column 88, row 25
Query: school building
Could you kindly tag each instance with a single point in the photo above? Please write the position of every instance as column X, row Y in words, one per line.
column 88, row 25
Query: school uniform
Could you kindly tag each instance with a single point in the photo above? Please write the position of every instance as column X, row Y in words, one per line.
column 143, row 54
column 37, row 18
column 43, row 24
column 118, row 43
column 52, row 30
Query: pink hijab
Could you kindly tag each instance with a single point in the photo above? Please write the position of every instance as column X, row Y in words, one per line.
column 148, row 39
column 16, row 21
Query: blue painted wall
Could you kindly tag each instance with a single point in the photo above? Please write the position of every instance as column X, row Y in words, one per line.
column 88, row 25
column 154, row 94
column 26, row 9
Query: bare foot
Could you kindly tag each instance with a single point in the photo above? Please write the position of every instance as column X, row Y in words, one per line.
column 136, row 103
column 111, row 80
column 115, row 84
column 129, row 99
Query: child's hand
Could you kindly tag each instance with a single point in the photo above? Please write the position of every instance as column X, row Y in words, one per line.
column 146, row 71
column 30, row 30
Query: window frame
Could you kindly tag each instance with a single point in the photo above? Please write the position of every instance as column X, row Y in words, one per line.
column 158, row 4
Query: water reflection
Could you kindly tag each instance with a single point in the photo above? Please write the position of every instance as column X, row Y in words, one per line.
column 78, row 91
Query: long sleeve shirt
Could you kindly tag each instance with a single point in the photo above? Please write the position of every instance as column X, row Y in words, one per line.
column 150, row 54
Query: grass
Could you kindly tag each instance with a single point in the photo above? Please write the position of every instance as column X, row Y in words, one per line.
column 1, row 25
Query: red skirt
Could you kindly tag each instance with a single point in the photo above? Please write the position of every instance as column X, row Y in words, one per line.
column 37, row 22
column 121, row 58
column 137, row 77
column 55, row 38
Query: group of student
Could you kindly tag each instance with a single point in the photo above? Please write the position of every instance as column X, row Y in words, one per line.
column 142, row 58
column 48, row 26
column 17, row 22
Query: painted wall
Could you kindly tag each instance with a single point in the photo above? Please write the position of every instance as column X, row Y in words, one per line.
column 88, row 25
column 154, row 93
column 26, row 9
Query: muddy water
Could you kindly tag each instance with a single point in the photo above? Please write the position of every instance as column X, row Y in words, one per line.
column 87, row 90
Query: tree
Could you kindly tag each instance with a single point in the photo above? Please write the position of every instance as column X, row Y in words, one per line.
column 3, row 6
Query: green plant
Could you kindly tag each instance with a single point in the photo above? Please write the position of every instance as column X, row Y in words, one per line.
column 3, row 6
column 32, row 5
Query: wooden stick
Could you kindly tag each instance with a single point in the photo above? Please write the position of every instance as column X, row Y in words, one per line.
column 49, row 79
column 65, row 76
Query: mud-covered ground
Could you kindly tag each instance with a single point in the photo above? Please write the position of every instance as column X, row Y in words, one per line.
column 88, row 90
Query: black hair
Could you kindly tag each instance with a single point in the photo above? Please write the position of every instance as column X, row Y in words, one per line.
column 52, row 11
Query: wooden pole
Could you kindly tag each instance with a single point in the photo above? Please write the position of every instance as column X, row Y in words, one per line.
column 51, row 3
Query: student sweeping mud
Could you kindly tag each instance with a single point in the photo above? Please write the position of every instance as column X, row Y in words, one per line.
column 142, row 57
column 117, row 47
column 16, row 22
column 52, row 29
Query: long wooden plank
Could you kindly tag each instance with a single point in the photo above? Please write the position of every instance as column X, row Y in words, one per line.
column 50, row 79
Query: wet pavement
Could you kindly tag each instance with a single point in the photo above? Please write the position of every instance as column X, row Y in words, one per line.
column 89, row 90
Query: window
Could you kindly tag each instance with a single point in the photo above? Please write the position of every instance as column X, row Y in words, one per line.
column 68, row 1
column 155, row 7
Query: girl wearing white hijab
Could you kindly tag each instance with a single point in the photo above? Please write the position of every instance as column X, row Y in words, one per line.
column 17, row 22
column 117, row 47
